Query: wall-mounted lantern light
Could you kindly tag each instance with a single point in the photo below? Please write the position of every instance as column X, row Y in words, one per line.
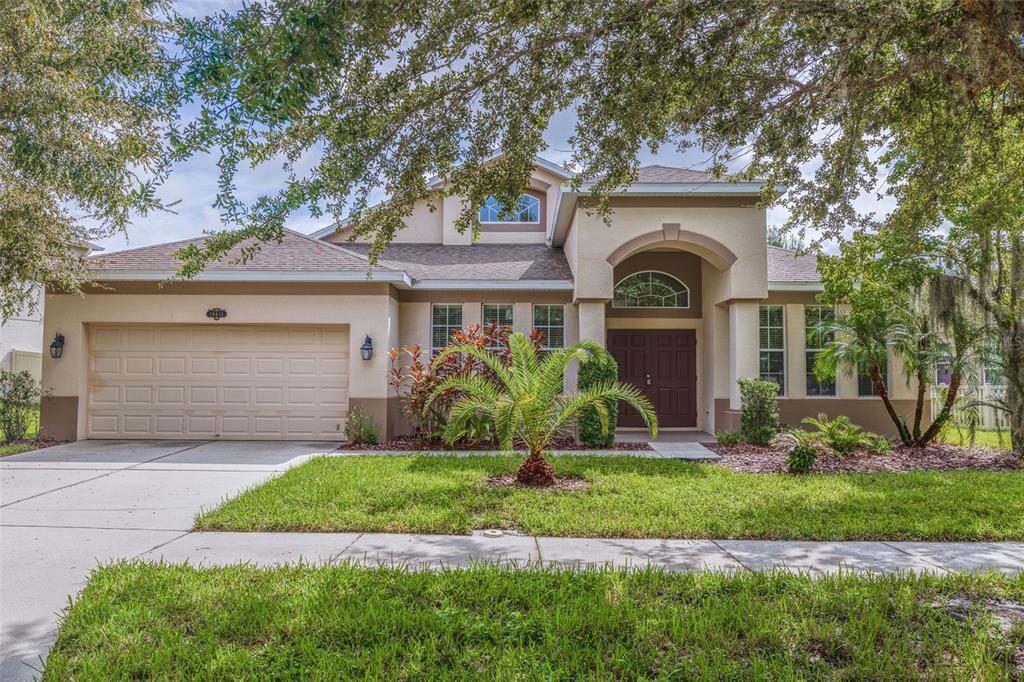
column 366, row 350
column 57, row 347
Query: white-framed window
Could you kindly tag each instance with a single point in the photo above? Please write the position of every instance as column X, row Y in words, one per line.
column 549, row 319
column 650, row 289
column 773, row 345
column 500, row 314
column 445, row 320
column 526, row 210
column 816, row 340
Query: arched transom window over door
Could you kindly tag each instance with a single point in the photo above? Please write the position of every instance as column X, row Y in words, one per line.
column 651, row 289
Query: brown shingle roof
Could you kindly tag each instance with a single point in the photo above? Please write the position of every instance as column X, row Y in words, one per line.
column 509, row 262
column 296, row 252
column 786, row 266
column 666, row 174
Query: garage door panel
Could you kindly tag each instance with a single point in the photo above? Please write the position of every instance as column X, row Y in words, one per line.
column 204, row 366
column 230, row 382
column 137, row 424
column 143, row 395
column 105, row 395
column 138, row 365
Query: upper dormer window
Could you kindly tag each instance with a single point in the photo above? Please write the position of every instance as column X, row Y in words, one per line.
column 526, row 210
column 650, row 289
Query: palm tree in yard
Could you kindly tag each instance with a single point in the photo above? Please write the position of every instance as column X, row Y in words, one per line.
column 525, row 402
column 862, row 343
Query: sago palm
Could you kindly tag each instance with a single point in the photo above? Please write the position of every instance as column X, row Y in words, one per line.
column 525, row 401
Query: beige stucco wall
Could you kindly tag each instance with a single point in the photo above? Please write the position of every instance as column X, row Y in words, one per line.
column 423, row 226
column 414, row 315
column 738, row 229
column 374, row 314
column 426, row 226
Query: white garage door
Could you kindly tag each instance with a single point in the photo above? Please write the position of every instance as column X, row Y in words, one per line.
column 217, row 381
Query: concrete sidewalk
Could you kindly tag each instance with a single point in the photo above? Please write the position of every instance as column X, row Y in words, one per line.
column 434, row 551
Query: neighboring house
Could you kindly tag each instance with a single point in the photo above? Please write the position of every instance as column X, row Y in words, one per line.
column 681, row 288
column 21, row 341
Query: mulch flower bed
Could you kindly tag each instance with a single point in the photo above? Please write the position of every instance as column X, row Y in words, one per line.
column 560, row 485
column 757, row 459
column 36, row 443
column 413, row 444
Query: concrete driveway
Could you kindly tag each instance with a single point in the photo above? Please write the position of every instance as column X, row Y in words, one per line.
column 65, row 509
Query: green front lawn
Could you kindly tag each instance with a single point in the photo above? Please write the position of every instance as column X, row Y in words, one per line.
column 15, row 449
column 628, row 497
column 143, row 621
column 997, row 440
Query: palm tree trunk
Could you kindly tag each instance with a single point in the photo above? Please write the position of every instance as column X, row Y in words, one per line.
column 883, row 393
column 943, row 416
column 536, row 471
column 919, row 407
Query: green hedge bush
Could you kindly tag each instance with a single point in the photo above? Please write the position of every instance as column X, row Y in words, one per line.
column 589, row 423
column 759, row 410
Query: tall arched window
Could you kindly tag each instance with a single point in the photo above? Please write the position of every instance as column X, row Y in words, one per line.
column 651, row 289
column 526, row 210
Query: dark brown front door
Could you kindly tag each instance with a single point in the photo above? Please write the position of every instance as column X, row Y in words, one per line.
column 663, row 364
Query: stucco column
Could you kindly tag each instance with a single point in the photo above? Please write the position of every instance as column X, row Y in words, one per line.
column 592, row 326
column 796, row 344
column 744, row 347
column 522, row 317
column 472, row 313
column 846, row 380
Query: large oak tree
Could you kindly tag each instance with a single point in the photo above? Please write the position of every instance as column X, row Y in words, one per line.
column 83, row 111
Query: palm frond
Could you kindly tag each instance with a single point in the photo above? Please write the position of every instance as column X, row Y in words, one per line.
column 463, row 413
column 569, row 406
column 474, row 385
column 488, row 357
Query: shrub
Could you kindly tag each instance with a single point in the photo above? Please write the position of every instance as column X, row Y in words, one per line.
column 360, row 428
column 880, row 445
column 593, row 372
column 759, row 410
column 728, row 437
column 840, row 433
column 19, row 393
column 414, row 379
column 802, row 448
column 844, row 436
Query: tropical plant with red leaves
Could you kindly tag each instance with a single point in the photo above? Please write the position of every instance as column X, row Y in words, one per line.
column 414, row 379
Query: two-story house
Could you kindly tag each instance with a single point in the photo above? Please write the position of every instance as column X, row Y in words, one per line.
column 681, row 287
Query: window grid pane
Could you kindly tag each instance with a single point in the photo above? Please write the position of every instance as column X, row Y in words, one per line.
column 549, row 319
column 497, row 313
column 816, row 340
column 526, row 210
column 650, row 289
column 773, row 350
column 446, row 319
